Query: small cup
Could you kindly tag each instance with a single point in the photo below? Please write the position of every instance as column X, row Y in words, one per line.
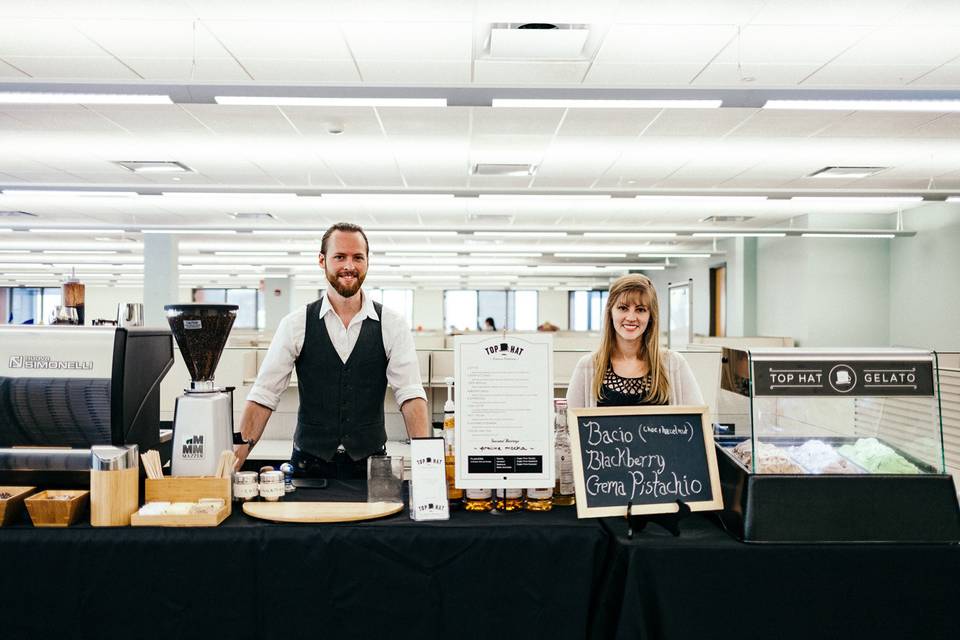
column 245, row 486
column 271, row 485
column 385, row 479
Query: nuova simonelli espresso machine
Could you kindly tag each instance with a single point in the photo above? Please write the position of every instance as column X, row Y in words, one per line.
column 203, row 416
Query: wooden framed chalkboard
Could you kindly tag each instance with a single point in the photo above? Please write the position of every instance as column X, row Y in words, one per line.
column 649, row 455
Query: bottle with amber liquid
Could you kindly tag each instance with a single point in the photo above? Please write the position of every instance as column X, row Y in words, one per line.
column 564, row 492
column 454, row 495
column 509, row 499
column 478, row 500
column 539, row 499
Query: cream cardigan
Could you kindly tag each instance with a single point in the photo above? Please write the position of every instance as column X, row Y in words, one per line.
column 684, row 389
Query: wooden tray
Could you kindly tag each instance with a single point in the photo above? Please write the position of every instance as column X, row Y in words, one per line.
column 10, row 507
column 320, row 511
column 185, row 489
column 47, row 512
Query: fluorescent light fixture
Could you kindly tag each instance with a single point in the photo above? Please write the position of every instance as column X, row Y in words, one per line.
column 589, row 255
column 387, row 196
column 521, row 234
column 6, row 230
column 14, row 251
column 864, row 200
column 55, row 230
column 52, row 193
column 293, row 101
column 604, row 104
column 866, row 105
column 849, row 235
column 629, row 234
column 629, row 267
column 701, row 199
column 83, row 251
column 533, row 197
column 506, row 254
column 421, row 254
column 20, row 97
column 189, row 231
column 383, row 232
column 250, row 253
column 673, row 255
column 226, row 194
column 739, row 234
column 289, row 232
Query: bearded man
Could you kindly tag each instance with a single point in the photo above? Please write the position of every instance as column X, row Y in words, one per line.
column 345, row 348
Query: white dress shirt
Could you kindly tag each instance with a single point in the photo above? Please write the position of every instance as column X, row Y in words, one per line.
column 403, row 371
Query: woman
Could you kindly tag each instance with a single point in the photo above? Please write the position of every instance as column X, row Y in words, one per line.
column 630, row 368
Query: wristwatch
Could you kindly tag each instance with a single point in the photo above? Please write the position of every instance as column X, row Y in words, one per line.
column 239, row 439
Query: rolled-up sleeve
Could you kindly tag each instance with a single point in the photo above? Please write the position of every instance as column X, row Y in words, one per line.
column 274, row 375
column 403, row 370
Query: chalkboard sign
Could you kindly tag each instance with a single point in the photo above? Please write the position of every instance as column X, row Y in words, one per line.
column 651, row 456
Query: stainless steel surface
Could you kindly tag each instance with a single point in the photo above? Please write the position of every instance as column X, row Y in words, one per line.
column 110, row 458
column 166, row 435
column 44, row 459
column 246, row 477
column 130, row 314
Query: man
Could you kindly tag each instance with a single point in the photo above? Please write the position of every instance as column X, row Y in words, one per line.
column 346, row 349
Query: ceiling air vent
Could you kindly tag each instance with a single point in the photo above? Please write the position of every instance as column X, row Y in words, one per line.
column 16, row 214
column 726, row 218
column 847, row 172
column 494, row 169
column 154, row 166
column 490, row 218
column 538, row 40
column 253, row 216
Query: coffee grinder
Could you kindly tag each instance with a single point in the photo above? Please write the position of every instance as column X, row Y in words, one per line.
column 203, row 416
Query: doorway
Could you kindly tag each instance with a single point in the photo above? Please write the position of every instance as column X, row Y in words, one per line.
column 718, row 300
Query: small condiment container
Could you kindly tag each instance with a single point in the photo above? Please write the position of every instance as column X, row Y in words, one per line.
column 271, row 485
column 245, row 486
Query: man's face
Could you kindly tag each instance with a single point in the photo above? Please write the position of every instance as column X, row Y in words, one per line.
column 345, row 263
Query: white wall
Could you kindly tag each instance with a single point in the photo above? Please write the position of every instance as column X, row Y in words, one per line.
column 697, row 269
column 925, row 280
column 553, row 306
column 428, row 309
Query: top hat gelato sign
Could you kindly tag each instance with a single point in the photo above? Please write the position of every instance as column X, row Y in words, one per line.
column 836, row 378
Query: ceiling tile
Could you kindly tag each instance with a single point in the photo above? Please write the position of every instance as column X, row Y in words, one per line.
column 151, row 119
column 775, row 123
column 39, row 38
column 73, row 68
column 947, row 127
column 8, row 72
column 905, row 45
column 606, row 122
column 663, row 44
column 829, row 12
column 410, row 40
column 427, row 122
column 237, row 120
column 697, row 122
column 186, row 69
column 317, row 121
column 750, row 74
column 503, row 121
column 864, row 75
column 790, row 44
column 61, row 118
column 683, row 12
column 301, row 71
column 507, row 72
column 638, row 75
column 415, row 71
column 876, row 124
column 947, row 76
column 278, row 39
column 153, row 38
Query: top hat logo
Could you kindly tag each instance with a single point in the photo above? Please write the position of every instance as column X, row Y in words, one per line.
column 842, row 378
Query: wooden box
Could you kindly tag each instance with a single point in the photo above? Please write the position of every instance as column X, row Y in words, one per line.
column 185, row 489
column 10, row 507
column 47, row 511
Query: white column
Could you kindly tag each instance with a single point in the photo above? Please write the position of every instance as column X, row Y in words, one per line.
column 161, row 276
column 277, row 295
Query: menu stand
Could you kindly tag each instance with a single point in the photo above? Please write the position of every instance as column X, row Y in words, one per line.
column 669, row 521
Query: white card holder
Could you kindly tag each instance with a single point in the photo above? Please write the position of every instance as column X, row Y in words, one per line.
column 428, row 484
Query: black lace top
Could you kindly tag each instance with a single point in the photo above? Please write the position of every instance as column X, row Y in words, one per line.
column 617, row 391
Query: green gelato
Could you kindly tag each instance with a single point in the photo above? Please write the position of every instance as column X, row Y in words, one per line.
column 876, row 457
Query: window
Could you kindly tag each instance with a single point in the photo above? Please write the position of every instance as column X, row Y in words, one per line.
column 466, row 309
column 399, row 300
column 586, row 310
column 249, row 301
column 28, row 305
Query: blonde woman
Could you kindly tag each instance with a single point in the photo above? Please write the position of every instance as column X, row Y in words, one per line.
column 630, row 368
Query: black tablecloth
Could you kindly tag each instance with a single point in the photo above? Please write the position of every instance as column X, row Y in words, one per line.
column 706, row 585
column 519, row 575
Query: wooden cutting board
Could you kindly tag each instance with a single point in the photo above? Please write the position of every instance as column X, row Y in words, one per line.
column 320, row 511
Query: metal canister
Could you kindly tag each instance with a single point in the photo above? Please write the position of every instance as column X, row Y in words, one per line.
column 271, row 485
column 245, row 486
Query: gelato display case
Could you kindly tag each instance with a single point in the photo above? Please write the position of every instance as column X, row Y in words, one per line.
column 833, row 446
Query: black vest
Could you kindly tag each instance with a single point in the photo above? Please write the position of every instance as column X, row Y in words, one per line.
column 341, row 402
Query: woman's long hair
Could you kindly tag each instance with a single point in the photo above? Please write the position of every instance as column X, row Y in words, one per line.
column 636, row 288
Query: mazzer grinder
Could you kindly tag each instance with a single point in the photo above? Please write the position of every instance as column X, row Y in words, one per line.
column 203, row 416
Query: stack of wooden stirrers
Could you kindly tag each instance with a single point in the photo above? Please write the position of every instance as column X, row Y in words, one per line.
column 225, row 466
column 151, row 464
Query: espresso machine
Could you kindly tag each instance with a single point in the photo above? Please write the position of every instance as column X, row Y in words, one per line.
column 203, row 415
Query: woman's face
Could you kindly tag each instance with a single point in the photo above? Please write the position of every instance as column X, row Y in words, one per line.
column 630, row 315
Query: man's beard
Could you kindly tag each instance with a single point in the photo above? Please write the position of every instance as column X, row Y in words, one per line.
column 347, row 291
